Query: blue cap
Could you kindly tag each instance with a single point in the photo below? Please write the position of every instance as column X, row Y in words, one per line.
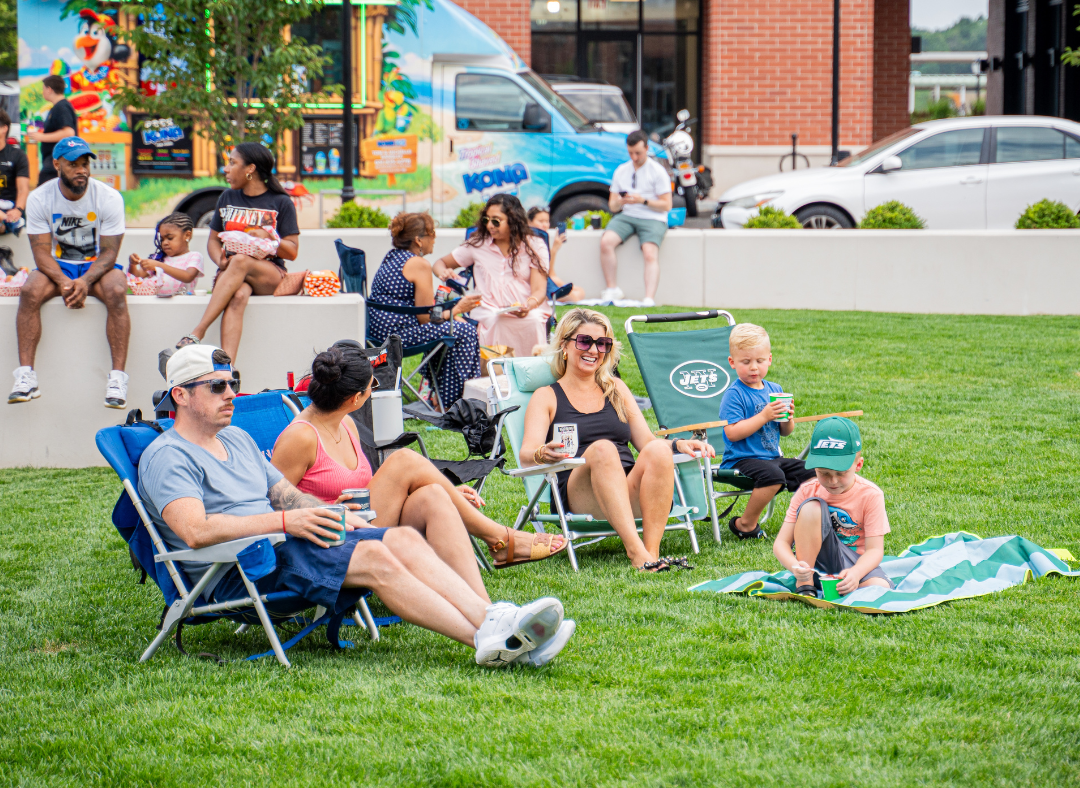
column 71, row 148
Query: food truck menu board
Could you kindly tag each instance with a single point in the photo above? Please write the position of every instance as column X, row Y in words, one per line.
column 160, row 145
column 321, row 145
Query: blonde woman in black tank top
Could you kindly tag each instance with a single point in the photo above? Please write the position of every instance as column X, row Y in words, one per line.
column 610, row 485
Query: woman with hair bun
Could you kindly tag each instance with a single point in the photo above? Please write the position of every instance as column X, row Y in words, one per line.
column 611, row 485
column 404, row 279
column 255, row 204
column 510, row 265
column 320, row 454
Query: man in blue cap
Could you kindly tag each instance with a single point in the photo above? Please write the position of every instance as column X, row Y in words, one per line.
column 75, row 225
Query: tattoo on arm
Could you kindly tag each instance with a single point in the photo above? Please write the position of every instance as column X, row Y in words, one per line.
column 110, row 249
column 283, row 496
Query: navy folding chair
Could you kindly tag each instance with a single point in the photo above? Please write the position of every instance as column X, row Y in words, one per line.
column 353, row 269
column 122, row 447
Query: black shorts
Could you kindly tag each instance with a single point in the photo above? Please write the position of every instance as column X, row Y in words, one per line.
column 788, row 472
column 835, row 556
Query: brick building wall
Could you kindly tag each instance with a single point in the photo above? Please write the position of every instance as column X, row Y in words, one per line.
column 508, row 18
column 892, row 66
column 768, row 72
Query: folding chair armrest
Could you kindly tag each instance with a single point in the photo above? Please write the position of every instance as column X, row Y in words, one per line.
column 680, row 458
column 218, row 553
column 705, row 425
column 551, row 467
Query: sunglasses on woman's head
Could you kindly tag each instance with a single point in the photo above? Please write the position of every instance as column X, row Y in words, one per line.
column 217, row 386
column 493, row 222
column 585, row 342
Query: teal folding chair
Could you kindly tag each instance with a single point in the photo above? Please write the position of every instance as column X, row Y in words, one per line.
column 686, row 374
column 526, row 375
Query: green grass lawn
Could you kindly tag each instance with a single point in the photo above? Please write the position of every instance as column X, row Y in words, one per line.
column 971, row 423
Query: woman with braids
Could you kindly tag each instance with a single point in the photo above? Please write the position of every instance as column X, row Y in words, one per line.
column 255, row 202
column 510, row 270
column 404, row 279
column 320, row 453
column 611, row 484
column 173, row 263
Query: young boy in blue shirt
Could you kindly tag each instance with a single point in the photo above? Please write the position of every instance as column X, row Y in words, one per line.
column 752, row 435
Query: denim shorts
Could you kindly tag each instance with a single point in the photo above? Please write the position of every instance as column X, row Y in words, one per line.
column 649, row 231
column 315, row 573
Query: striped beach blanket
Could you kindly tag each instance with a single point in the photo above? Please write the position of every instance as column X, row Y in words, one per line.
column 954, row 566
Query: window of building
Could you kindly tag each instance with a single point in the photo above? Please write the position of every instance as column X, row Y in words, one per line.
column 649, row 49
column 948, row 149
column 1029, row 143
column 323, row 28
column 484, row 102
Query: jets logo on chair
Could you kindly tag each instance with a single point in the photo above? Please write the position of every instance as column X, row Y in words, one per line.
column 699, row 379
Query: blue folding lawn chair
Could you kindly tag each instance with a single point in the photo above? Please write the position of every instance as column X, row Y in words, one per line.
column 122, row 447
column 263, row 416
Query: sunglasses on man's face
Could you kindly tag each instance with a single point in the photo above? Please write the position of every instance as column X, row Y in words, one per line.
column 585, row 342
column 217, row 386
column 496, row 223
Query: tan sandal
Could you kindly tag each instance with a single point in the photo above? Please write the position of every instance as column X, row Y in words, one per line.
column 538, row 551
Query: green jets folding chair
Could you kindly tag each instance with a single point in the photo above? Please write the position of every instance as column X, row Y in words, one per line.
column 526, row 375
column 686, row 374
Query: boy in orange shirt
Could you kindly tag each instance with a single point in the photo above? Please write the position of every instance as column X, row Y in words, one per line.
column 836, row 522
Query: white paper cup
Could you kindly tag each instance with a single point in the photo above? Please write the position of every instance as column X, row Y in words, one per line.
column 200, row 292
column 787, row 398
column 567, row 435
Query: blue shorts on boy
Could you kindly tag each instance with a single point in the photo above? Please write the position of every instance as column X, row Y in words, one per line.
column 741, row 402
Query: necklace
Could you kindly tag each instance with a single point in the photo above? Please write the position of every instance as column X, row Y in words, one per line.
column 336, row 439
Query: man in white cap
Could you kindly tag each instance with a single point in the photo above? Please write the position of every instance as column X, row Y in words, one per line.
column 206, row 482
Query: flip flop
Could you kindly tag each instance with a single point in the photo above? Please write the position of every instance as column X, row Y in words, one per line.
column 757, row 533
column 537, row 552
column 654, row 567
column 809, row 590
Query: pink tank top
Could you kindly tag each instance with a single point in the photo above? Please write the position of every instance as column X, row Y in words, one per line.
column 328, row 477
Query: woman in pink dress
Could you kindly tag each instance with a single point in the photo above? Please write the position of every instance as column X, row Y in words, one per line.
column 510, row 266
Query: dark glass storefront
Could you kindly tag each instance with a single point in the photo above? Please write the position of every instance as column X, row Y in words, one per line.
column 649, row 48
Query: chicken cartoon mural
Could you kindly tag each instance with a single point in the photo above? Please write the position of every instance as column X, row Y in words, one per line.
column 93, row 84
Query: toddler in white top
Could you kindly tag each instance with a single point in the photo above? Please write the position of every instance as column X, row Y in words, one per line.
column 174, row 265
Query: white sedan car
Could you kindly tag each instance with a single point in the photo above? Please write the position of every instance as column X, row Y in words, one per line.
column 963, row 173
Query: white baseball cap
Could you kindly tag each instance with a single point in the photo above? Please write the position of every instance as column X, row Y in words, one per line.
column 190, row 363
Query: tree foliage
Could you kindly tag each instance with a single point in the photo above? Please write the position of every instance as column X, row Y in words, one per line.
column 9, row 46
column 224, row 65
column 1072, row 56
column 967, row 35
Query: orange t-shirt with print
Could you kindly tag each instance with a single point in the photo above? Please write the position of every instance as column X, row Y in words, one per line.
column 855, row 514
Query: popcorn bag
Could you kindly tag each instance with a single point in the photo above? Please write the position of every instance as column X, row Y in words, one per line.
column 321, row 284
column 11, row 285
column 239, row 242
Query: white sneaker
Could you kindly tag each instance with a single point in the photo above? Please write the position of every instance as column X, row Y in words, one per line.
column 647, row 302
column 547, row 652
column 116, row 390
column 509, row 631
column 611, row 294
column 26, row 387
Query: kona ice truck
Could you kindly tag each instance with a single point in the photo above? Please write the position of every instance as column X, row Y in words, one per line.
column 444, row 110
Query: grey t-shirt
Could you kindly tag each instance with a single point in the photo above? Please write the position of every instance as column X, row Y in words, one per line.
column 172, row 468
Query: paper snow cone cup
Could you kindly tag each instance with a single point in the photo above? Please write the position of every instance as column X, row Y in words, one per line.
column 828, row 588
column 789, row 399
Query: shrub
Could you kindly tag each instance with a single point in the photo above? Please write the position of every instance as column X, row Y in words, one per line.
column 978, row 107
column 469, row 216
column 891, row 215
column 770, row 218
column 935, row 110
column 1047, row 215
column 605, row 217
column 353, row 215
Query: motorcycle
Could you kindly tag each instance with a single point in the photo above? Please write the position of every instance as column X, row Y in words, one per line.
column 691, row 182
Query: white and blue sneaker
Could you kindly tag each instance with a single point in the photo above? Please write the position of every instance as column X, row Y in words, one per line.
column 116, row 389
column 26, row 386
column 547, row 652
column 509, row 631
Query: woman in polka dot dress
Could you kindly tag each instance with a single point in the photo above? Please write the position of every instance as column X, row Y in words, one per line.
column 404, row 279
